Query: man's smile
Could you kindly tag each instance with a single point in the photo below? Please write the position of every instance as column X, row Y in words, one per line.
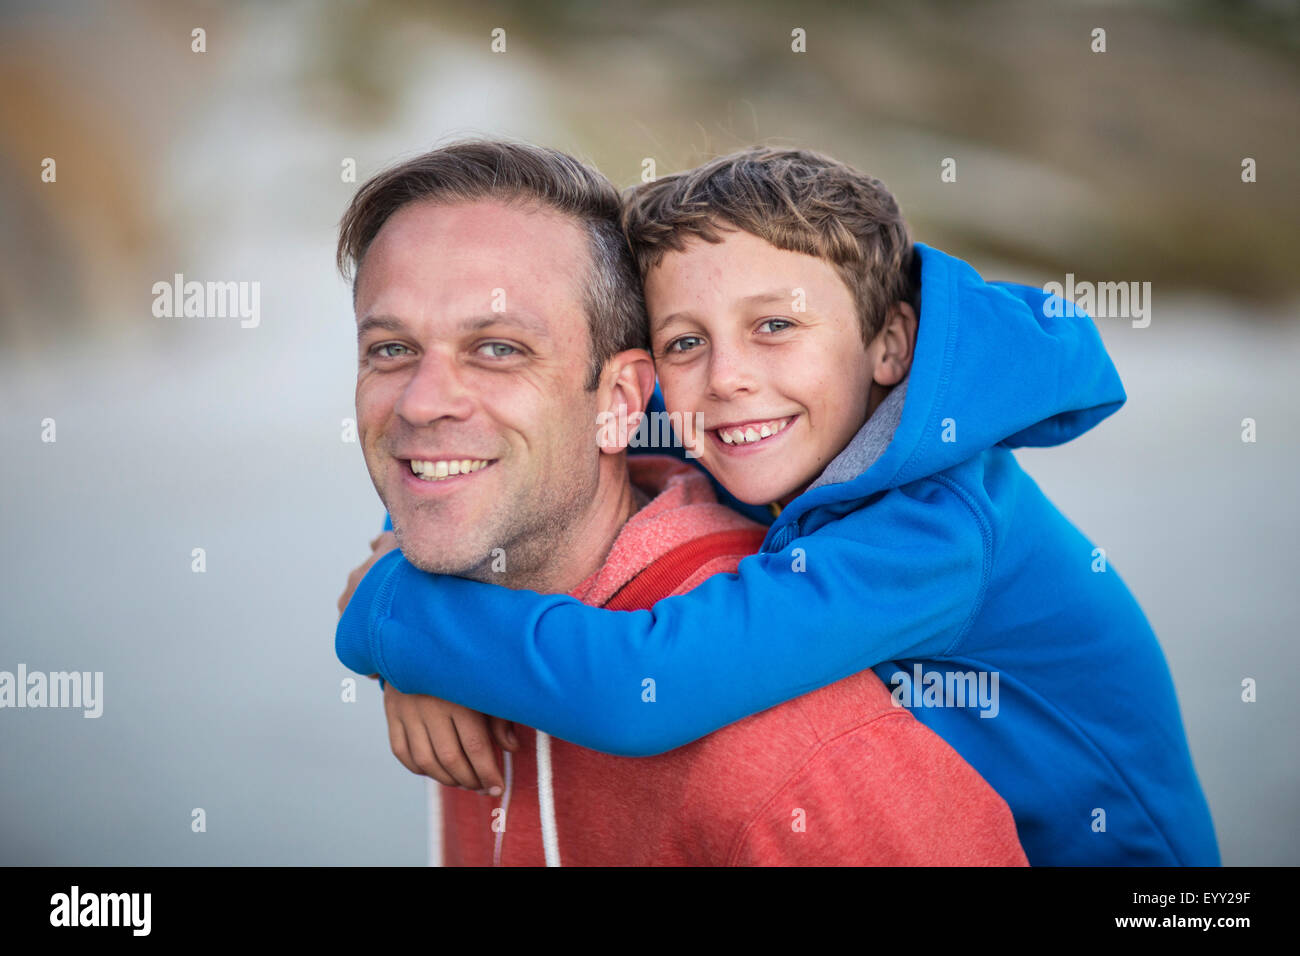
column 442, row 469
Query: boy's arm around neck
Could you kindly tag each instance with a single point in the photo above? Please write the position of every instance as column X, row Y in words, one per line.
column 900, row 579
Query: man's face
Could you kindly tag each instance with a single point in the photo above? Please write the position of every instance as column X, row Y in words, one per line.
column 473, row 348
column 731, row 343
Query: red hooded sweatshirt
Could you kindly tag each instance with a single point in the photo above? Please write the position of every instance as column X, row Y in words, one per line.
column 838, row 776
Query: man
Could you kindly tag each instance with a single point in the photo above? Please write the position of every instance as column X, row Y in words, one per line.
column 499, row 321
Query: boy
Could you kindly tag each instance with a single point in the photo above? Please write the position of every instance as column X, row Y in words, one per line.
column 904, row 537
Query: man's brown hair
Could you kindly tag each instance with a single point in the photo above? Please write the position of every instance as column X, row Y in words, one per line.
column 474, row 170
column 796, row 200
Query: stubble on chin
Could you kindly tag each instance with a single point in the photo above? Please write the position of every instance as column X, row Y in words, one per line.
column 474, row 570
column 435, row 559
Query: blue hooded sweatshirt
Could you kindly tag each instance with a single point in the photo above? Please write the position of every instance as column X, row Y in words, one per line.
column 941, row 565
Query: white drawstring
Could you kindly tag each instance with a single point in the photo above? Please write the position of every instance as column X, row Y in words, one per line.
column 435, row 821
column 546, row 801
column 505, row 810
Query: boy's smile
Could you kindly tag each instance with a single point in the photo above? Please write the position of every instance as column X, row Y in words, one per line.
column 749, row 433
column 766, row 345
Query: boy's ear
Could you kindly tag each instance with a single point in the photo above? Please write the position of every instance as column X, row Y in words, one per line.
column 891, row 352
column 627, row 384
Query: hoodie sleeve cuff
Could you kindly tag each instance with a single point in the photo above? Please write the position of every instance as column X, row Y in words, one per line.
column 357, row 635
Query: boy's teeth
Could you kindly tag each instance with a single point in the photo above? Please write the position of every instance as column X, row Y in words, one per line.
column 447, row 468
column 748, row 434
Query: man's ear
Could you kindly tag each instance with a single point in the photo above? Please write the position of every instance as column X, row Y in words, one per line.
column 625, row 388
column 891, row 352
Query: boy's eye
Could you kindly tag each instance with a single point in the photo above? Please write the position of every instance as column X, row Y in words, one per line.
column 684, row 344
column 781, row 324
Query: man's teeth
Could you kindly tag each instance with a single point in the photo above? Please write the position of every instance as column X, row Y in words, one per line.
column 447, row 468
column 752, row 433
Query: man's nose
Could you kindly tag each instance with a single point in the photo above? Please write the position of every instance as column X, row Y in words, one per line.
column 436, row 390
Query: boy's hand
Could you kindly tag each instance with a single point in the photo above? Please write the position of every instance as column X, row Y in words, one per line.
column 448, row 742
column 379, row 547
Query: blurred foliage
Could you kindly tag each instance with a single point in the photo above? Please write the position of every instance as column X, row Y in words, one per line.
column 1123, row 165
column 1153, row 131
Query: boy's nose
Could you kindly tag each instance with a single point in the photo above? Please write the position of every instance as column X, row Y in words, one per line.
column 728, row 377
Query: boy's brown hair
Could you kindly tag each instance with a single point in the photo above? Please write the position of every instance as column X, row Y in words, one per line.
column 479, row 169
column 795, row 199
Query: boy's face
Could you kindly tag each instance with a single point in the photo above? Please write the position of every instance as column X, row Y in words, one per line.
column 756, row 338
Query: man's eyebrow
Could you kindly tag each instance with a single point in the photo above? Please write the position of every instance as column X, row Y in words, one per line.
column 385, row 322
column 471, row 323
column 523, row 320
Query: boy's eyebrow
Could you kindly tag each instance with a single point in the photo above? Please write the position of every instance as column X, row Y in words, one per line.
column 772, row 295
column 757, row 298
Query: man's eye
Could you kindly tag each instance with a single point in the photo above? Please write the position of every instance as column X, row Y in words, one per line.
column 684, row 343
column 781, row 324
column 498, row 349
column 379, row 349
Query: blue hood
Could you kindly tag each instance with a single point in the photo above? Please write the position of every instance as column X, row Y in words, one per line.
column 992, row 366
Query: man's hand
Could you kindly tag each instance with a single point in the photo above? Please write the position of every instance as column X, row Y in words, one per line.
column 378, row 548
column 448, row 742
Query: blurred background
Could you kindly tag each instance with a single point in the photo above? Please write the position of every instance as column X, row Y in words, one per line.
column 221, row 689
